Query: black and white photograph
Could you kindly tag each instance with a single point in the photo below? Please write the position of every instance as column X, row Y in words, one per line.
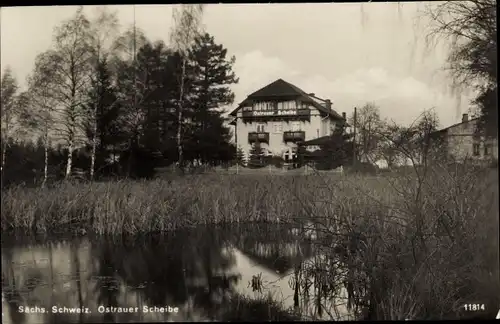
column 249, row 162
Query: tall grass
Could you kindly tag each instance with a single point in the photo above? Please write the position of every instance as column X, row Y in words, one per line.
column 135, row 207
column 423, row 245
column 417, row 245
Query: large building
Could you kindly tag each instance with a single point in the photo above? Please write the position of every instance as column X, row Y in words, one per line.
column 463, row 140
column 279, row 116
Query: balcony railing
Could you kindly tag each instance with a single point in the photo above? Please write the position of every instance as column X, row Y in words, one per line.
column 294, row 136
column 260, row 137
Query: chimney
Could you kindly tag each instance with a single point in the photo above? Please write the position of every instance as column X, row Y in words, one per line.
column 465, row 118
column 343, row 115
column 328, row 104
column 312, row 94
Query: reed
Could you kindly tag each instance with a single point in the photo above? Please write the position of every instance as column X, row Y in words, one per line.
column 139, row 207
column 422, row 244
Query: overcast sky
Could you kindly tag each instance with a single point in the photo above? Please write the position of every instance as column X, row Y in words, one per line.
column 352, row 53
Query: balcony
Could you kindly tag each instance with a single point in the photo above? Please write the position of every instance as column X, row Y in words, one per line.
column 258, row 137
column 292, row 114
column 294, row 136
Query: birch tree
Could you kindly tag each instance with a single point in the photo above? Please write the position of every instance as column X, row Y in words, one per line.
column 8, row 94
column 39, row 115
column 186, row 27
column 103, row 29
column 66, row 68
column 7, row 104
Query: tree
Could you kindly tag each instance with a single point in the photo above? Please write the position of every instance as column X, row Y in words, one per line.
column 388, row 145
column 425, row 126
column 413, row 143
column 160, row 107
column 256, row 156
column 133, row 86
column 40, row 116
column 240, row 157
column 8, row 109
column 185, row 29
column 337, row 150
column 368, row 126
column 212, row 76
column 103, row 28
column 471, row 28
column 102, row 126
column 66, row 69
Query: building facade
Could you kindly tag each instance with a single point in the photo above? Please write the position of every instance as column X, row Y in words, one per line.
column 280, row 116
column 463, row 140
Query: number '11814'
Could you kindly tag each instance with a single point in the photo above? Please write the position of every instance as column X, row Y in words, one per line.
column 474, row 307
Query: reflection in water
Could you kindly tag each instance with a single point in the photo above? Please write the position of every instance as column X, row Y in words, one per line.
column 209, row 273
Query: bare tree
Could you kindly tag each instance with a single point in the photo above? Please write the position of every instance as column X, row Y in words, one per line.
column 388, row 145
column 66, row 69
column 187, row 23
column 8, row 94
column 103, row 28
column 368, row 127
column 471, row 29
column 402, row 144
column 39, row 112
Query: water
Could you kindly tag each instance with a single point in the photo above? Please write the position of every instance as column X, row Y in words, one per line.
column 192, row 275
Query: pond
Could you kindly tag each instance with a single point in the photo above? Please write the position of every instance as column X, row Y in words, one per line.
column 244, row 272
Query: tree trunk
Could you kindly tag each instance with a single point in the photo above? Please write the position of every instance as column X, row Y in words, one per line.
column 70, row 157
column 94, row 143
column 179, row 116
column 129, row 160
column 46, row 157
column 4, row 153
column 5, row 138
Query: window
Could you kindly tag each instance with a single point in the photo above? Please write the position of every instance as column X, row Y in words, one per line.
column 295, row 126
column 278, row 127
column 475, row 149
column 260, row 128
column 487, row 149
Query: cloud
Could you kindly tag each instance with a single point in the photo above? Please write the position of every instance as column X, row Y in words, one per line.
column 400, row 98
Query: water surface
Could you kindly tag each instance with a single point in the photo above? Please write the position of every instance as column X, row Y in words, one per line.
column 205, row 273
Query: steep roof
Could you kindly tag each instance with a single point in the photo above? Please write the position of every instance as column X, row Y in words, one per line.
column 278, row 88
column 281, row 89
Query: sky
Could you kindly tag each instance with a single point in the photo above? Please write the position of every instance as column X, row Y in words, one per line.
column 350, row 53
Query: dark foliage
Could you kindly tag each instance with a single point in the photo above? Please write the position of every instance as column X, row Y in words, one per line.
column 256, row 157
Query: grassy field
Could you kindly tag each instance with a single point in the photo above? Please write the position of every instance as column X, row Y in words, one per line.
column 425, row 244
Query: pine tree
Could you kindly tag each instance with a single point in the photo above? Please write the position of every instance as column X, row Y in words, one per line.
column 240, row 157
column 212, row 72
column 256, row 156
column 102, row 110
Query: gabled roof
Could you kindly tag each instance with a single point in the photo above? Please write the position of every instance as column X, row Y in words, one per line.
column 444, row 130
column 278, row 88
column 282, row 89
